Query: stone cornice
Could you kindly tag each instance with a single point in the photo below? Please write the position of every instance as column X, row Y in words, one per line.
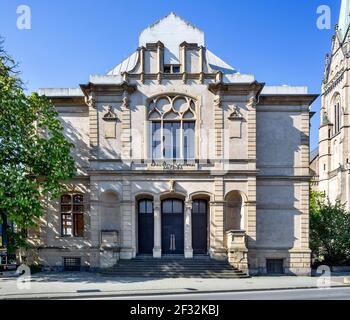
column 290, row 99
column 167, row 172
column 108, row 88
column 236, row 88
column 71, row 100
column 282, row 177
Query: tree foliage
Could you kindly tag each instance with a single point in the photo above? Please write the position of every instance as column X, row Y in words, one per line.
column 329, row 230
column 35, row 157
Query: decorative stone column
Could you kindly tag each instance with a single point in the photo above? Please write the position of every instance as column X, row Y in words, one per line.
column 157, row 249
column 188, row 229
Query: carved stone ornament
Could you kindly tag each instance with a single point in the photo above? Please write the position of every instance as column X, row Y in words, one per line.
column 252, row 102
column 90, row 100
column 172, row 185
column 125, row 100
column 217, row 101
column 110, row 115
column 235, row 115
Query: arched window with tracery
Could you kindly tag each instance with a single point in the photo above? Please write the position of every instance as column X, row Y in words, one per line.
column 72, row 215
column 173, row 124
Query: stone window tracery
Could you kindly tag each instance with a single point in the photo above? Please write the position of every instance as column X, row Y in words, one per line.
column 173, row 123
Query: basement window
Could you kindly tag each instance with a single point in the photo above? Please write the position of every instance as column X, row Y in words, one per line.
column 274, row 266
column 71, row 264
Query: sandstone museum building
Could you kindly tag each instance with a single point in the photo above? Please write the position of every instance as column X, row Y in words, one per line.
column 180, row 156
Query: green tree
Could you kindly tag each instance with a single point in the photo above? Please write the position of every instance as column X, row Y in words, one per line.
column 329, row 230
column 35, row 157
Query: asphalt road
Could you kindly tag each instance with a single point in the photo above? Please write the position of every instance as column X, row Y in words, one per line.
column 295, row 294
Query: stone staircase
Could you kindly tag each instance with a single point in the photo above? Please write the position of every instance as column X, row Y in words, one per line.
column 174, row 267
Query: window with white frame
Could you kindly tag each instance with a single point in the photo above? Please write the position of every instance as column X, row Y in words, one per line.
column 173, row 124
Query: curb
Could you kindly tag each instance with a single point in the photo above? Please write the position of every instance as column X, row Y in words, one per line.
column 135, row 294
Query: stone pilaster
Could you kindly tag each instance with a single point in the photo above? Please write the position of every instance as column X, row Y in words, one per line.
column 304, row 218
column 188, row 229
column 157, row 249
column 251, row 118
column 95, row 235
column 218, row 126
column 126, row 212
column 126, row 128
column 93, row 123
column 217, row 208
column 251, row 211
column 304, row 146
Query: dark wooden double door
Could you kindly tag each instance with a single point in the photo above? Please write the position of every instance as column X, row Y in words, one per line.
column 172, row 226
column 172, row 221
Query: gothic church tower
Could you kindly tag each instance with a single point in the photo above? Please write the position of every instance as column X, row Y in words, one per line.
column 334, row 132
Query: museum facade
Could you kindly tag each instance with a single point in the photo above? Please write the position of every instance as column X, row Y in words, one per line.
column 180, row 155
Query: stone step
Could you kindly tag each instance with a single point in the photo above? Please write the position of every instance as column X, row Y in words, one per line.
column 177, row 275
column 174, row 268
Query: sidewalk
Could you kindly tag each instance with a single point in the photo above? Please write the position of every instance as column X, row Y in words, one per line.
column 74, row 285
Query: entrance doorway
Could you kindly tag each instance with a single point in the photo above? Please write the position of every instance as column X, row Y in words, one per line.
column 200, row 226
column 172, row 226
column 145, row 226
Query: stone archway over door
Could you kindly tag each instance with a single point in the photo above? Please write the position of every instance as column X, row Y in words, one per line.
column 172, row 226
column 200, row 226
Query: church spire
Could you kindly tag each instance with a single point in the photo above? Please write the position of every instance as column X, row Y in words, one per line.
column 344, row 19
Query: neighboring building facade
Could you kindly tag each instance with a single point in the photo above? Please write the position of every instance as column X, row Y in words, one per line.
column 180, row 154
column 334, row 154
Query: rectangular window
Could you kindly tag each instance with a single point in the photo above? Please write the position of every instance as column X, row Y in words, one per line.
column 72, row 215
column 167, row 69
column 189, row 140
column 176, row 69
column 171, row 68
column 156, row 140
column 66, row 224
column 171, row 140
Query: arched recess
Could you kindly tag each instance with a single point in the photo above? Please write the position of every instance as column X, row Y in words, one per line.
column 145, row 223
column 110, row 212
column 234, row 211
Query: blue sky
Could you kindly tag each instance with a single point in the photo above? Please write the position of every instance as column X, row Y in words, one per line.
column 277, row 41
